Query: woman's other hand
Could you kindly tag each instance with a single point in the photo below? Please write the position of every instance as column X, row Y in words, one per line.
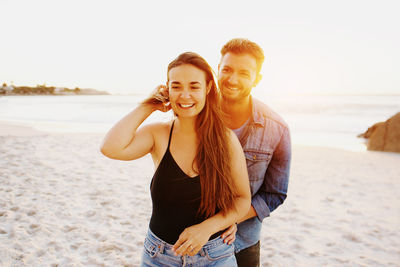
column 191, row 240
column 159, row 99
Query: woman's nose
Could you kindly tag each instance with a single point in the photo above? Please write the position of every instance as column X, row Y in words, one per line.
column 185, row 94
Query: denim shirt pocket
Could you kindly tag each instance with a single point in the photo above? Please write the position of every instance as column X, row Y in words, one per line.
column 257, row 162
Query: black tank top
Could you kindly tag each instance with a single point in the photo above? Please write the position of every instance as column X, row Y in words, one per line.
column 176, row 199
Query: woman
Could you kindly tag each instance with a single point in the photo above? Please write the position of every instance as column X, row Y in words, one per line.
column 200, row 186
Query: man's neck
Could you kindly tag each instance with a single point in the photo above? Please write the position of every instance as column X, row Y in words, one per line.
column 236, row 113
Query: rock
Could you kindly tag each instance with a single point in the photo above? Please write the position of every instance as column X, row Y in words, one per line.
column 384, row 136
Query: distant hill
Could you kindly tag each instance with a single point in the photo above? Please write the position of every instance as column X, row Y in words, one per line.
column 47, row 90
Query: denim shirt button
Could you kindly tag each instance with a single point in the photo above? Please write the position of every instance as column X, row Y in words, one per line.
column 254, row 157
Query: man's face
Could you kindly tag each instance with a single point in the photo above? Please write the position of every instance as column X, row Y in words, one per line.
column 237, row 75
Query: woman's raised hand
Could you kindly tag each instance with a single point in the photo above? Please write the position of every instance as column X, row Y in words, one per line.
column 159, row 99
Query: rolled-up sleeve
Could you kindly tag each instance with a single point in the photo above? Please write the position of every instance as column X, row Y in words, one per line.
column 273, row 192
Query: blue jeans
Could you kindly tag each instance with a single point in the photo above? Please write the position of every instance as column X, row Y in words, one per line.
column 214, row 253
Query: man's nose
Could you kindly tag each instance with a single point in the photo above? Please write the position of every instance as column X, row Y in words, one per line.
column 233, row 79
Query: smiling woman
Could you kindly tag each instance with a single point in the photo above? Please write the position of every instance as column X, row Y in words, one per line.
column 187, row 90
column 200, row 186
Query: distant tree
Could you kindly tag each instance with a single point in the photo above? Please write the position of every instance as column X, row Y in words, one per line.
column 40, row 86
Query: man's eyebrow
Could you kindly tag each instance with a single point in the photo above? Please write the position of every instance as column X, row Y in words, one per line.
column 175, row 82
column 193, row 83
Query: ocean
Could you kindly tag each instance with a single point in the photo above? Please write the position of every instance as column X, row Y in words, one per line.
column 328, row 121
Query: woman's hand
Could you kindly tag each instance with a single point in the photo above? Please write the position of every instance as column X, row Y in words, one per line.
column 159, row 99
column 229, row 235
column 191, row 240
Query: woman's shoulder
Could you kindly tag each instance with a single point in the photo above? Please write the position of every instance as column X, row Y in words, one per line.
column 159, row 129
column 157, row 126
column 233, row 139
column 160, row 132
column 231, row 134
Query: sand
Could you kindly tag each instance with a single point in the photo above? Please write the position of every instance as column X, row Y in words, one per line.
column 64, row 204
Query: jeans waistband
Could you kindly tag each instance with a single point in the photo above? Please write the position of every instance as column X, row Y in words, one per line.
column 218, row 241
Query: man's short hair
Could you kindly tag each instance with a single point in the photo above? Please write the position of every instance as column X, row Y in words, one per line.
column 244, row 46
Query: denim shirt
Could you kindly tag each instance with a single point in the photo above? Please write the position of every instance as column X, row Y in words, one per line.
column 266, row 145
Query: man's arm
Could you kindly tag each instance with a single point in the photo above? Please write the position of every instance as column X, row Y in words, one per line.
column 274, row 190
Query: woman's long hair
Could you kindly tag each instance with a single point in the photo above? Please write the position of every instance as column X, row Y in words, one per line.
column 213, row 155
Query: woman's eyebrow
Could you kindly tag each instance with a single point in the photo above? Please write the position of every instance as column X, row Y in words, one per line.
column 191, row 83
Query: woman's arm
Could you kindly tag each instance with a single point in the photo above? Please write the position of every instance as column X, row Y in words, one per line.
column 124, row 141
column 193, row 238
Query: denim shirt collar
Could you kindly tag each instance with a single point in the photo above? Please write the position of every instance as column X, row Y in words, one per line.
column 257, row 116
column 256, row 120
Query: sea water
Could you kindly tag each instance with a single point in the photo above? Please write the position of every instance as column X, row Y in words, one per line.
column 329, row 120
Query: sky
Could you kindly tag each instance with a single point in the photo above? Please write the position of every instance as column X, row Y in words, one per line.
column 311, row 47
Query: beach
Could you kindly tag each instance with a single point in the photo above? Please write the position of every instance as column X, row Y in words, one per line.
column 62, row 203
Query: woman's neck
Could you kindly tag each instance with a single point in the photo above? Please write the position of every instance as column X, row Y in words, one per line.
column 186, row 125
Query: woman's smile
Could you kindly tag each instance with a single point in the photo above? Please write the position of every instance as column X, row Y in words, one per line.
column 185, row 106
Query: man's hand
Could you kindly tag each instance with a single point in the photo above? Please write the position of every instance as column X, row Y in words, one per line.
column 229, row 235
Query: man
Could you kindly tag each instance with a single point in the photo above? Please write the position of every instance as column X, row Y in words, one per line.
column 265, row 140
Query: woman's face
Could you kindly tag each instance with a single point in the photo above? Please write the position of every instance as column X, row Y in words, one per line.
column 187, row 90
